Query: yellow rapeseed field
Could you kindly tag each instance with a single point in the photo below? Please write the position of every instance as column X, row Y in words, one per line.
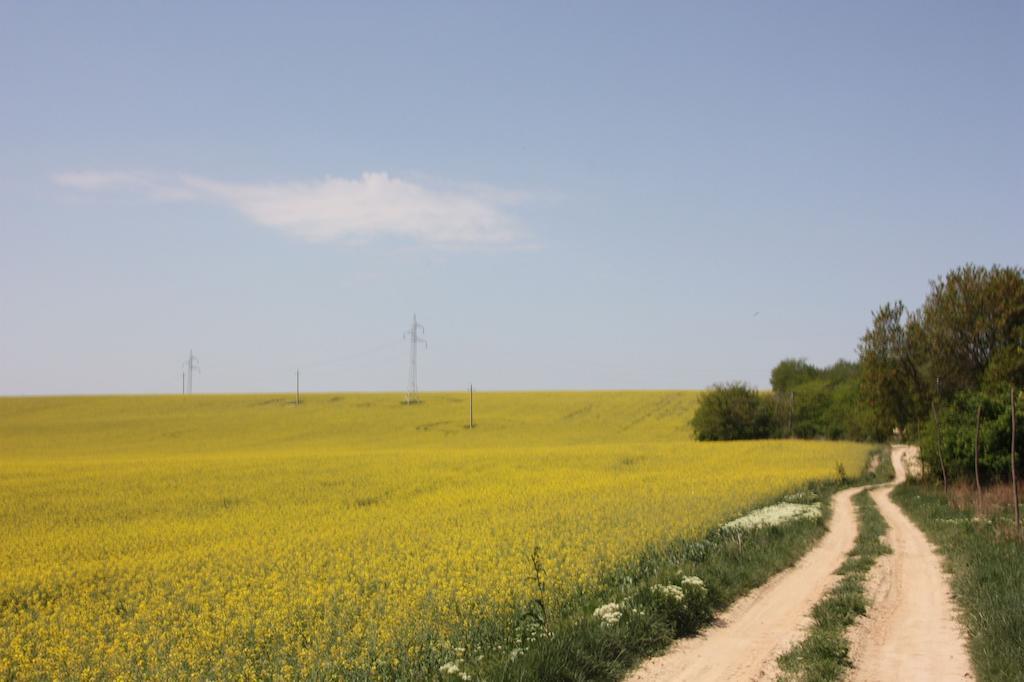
column 241, row 536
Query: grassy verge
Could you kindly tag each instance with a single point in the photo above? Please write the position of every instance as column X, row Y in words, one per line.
column 642, row 608
column 987, row 567
column 577, row 645
column 824, row 654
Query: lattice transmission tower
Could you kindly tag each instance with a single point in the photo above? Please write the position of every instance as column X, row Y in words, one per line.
column 191, row 365
column 412, row 393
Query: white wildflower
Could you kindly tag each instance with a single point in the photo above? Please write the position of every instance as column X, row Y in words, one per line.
column 775, row 515
column 692, row 581
column 671, row 591
column 609, row 613
column 802, row 497
column 464, row 676
column 450, row 668
column 516, row 653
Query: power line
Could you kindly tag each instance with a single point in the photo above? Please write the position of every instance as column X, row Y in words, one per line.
column 412, row 394
column 344, row 360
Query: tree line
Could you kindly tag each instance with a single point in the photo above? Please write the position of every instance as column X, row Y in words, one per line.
column 805, row 402
column 941, row 375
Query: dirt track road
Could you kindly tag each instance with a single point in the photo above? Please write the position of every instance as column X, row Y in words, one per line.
column 910, row 632
column 746, row 640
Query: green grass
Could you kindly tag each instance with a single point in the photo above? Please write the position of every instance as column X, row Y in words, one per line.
column 987, row 568
column 825, row 653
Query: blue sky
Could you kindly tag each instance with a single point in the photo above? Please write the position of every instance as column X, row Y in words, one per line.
column 568, row 195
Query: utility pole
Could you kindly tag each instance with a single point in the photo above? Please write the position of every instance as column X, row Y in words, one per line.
column 977, row 451
column 183, row 383
column 471, row 406
column 192, row 365
column 296, row 388
column 1013, row 457
column 938, row 440
column 412, row 393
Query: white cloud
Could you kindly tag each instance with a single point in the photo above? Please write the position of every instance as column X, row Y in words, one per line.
column 152, row 186
column 336, row 208
column 96, row 180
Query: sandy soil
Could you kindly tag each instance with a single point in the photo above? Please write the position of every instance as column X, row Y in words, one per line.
column 746, row 640
column 910, row 632
column 910, row 457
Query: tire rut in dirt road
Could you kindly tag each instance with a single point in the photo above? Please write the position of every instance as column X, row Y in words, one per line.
column 745, row 641
column 910, row 632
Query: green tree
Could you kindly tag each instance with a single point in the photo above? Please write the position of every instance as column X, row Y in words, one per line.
column 792, row 372
column 823, row 402
column 733, row 411
column 892, row 381
column 973, row 329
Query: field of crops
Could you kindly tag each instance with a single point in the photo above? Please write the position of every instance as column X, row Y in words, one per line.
column 352, row 536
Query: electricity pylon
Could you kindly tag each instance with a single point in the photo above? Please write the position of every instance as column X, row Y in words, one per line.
column 412, row 393
column 191, row 365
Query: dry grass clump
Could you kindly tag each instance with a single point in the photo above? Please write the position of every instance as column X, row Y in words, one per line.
column 996, row 499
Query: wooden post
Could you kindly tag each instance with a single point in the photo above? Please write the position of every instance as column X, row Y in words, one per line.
column 938, row 445
column 471, row 406
column 792, row 409
column 1013, row 456
column 296, row 387
column 977, row 448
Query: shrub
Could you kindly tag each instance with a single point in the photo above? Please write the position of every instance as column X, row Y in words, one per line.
column 957, row 424
column 733, row 411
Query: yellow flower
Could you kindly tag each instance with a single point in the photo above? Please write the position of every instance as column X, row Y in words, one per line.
column 211, row 537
